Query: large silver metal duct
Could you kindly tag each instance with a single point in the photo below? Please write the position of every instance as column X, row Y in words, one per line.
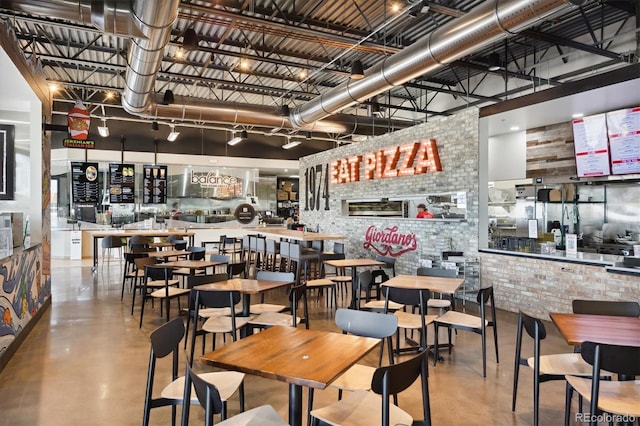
column 488, row 23
column 109, row 16
column 155, row 19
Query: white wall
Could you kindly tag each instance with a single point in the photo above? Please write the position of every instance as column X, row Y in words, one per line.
column 508, row 156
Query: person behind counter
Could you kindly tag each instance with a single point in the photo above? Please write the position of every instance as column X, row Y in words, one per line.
column 175, row 211
column 423, row 213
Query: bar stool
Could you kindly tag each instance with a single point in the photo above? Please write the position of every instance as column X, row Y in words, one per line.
column 272, row 250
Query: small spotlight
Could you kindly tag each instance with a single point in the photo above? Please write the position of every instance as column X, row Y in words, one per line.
column 291, row 144
column 103, row 130
column 302, row 74
column 173, row 135
column 179, row 53
column 154, row 126
column 53, row 87
column 109, row 95
column 237, row 139
column 493, row 62
column 357, row 70
column 168, row 98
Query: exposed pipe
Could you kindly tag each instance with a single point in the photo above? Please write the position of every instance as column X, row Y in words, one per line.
column 488, row 23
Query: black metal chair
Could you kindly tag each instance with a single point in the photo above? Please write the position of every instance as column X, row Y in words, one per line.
column 369, row 408
column 297, row 293
column 439, row 302
column 209, row 396
column 109, row 243
column 164, row 342
column 545, row 367
column 467, row 322
column 606, row 307
column 617, row 397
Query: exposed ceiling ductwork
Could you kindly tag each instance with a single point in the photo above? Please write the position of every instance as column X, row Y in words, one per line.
column 488, row 23
column 150, row 23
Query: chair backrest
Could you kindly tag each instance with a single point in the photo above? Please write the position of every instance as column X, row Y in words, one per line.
column 389, row 262
column 328, row 256
column 194, row 280
column 165, row 339
column 392, row 379
column 271, row 246
column 606, row 307
column 275, row 276
column 486, row 295
column 180, row 244
column 534, row 327
column 142, row 261
column 219, row 258
column 138, row 241
column 234, row 269
column 614, row 358
column 196, row 253
column 111, row 241
column 207, row 394
column 157, row 273
column 407, row 296
column 436, row 272
column 338, row 248
column 366, row 323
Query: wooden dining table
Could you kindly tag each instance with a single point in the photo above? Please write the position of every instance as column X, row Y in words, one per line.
column 246, row 287
column 434, row 284
column 610, row 330
column 191, row 265
column 128, row 233
column 297, row 356
column 166, row 254
column 353, row 264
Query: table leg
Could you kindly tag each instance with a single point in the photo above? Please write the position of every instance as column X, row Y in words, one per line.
column 295, row 405
column 94, row 268
column 354, row 286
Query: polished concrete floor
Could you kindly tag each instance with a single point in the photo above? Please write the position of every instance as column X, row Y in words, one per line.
column 85, row 363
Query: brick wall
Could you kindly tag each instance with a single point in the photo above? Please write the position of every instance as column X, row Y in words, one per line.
column 457, row 141
column 539, row 286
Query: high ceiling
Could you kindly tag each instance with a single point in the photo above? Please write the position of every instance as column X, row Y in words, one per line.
column 289, row 52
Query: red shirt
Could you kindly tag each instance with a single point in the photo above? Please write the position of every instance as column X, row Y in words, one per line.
column 425, row 215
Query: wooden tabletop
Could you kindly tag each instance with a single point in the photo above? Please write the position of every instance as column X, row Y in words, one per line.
column 243, row 285
column 191, row 264
column 296, row 356
column 297, row 235
column 612, row 330
column 349, row 263
column 144, row 232
column 434, row 284
column 169, row 253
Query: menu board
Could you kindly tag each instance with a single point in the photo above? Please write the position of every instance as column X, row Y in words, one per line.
column 84, row 182
column 121, row 183
column 154, row 189
column 623, row 127
column 591, row 146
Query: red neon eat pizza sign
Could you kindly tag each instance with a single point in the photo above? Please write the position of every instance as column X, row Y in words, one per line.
column 402, row 160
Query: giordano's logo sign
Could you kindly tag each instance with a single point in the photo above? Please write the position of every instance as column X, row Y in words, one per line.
column 212, row 180
column 402, row 160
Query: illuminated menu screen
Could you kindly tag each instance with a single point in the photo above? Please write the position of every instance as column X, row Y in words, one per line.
column 154, row 189
column 623, row 127
column 84, row 182
column 591, row 146
column 121, row 183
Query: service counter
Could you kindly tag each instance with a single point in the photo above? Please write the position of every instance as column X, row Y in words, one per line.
column 542, row 283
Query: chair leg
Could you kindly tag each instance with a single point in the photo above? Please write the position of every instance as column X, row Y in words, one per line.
column 435, row 336
column 516, row 365
column 567, row 404
column 241, row 396
column 309, row 406
column 484, row 351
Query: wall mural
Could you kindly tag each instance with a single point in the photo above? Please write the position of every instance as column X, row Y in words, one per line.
column 22, row 293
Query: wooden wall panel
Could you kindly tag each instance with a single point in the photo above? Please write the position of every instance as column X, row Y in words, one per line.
column 550, row 151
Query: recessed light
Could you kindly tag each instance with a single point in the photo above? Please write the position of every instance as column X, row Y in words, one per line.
column 577, row 115
column 514, row 128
